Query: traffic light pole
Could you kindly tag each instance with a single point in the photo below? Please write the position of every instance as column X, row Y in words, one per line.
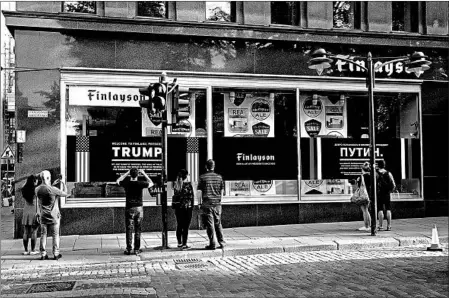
column 164, row 183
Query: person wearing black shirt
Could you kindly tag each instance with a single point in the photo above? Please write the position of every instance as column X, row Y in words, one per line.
column 134, row 206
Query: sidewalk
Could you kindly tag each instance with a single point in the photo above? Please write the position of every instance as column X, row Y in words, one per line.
column 92, row 249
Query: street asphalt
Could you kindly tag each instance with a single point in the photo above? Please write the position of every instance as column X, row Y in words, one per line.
column 79, row 250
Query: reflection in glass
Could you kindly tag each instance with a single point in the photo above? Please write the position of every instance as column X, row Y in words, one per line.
column 220, row 11
column 156, row 9
column 343, row 14
column 80, row 6
column 285, row 12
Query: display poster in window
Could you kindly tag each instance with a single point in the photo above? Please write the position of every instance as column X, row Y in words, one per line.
column 323, row 116
column 141, row 155
column 313, row 187
column 151, row 127
column 105, row 96
column 263, row 187
column 248, row 115
column 238, row 188
column 345, row 159
column 256, row 158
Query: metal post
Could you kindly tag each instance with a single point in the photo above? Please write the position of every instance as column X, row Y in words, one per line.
column 164, row 182
column 372, row 151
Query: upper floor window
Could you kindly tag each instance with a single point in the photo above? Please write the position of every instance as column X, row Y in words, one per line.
column 79, row 6
column 344, row 14
column 220, row 11
column 157, row 9
column 285, row 13
column 405, row 16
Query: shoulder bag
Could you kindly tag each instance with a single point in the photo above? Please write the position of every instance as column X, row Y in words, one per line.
column 360, row 196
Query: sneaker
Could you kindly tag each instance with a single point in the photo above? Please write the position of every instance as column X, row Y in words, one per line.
column 34, row 252
column 57, row 257
column 364, row 229
column 180, row 245
column 222, row 244
column 127, row 252
column 185, row 246
column 44, row 257
column 210, row 247
column 137, row 251
column 25, row 253
column 380, row 228
column 388, row 228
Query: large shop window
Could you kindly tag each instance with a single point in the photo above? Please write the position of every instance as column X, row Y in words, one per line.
column 335, row 141
column 108, row 133
column 254, row 142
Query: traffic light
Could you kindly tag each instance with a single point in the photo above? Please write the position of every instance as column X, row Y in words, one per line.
column 181, row 104
column 157, row 101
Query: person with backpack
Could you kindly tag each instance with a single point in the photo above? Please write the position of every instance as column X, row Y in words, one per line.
column 385, row 186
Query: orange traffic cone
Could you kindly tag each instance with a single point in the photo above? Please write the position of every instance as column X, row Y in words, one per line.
column 435, row 244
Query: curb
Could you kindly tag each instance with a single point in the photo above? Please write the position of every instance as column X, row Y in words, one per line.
column 261, row 246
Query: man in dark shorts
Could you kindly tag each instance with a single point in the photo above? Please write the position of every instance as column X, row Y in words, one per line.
column 212, row 186
column 134, row 206
column 385, row 185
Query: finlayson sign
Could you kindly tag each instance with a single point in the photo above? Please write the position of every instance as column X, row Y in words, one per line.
column 105, row 96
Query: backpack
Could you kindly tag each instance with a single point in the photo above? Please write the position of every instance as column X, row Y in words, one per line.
column 385, row 184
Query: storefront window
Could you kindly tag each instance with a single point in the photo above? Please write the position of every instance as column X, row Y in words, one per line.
column 108, row 133
column 254, row 141
column 335, row 141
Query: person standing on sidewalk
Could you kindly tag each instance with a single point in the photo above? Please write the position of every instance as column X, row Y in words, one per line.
column 30, row 210
column 50, row 214
column 134, row 206
column 182, row 203
column 366, row 169
column 385, row 185
column 211, row 186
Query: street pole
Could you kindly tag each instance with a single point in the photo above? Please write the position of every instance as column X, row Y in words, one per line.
column 164, row 182
column 372, row 151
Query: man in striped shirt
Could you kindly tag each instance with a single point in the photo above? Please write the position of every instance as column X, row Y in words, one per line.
column 211, row 185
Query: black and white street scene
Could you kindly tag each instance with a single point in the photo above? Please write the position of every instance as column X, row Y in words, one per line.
column 267, row 149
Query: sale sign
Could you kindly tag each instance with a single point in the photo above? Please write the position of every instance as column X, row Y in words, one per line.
column 248, row 115
column 323, row 116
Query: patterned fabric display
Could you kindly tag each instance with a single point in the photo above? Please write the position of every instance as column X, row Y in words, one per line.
column 193, row 158
column 82, row 159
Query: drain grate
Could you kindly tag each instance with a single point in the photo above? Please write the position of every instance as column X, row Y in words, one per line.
column 186, row 261
column 51, row 287
column 196, row 265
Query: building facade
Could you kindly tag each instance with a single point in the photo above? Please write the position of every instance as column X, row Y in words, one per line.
column 288, row 142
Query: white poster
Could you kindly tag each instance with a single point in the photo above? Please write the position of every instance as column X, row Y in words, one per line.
column 248, row 115
column 323, row 116
column 105, row 96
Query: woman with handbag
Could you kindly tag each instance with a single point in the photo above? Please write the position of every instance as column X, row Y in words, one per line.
column 365, row 181
column 182, row 203
column 31, row 216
